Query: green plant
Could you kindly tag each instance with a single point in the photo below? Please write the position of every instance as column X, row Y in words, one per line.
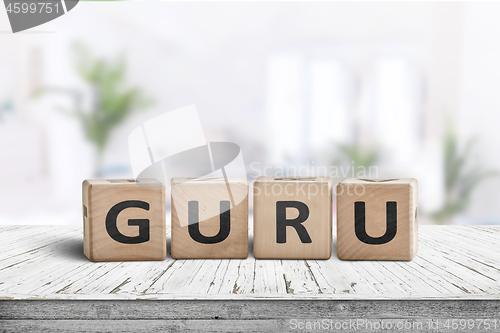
column 112, row 101
column 357, row 155
column 6, row 107
column 355, row 160
column 460, row 177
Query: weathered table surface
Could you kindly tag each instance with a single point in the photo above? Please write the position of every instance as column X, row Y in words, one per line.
column 459, row 264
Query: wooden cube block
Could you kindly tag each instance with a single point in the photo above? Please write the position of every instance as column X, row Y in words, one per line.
column 124, row 220
column 377, row 219
column 292, row 218
column 209, row 218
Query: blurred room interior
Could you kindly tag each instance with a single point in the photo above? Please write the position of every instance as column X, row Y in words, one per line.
column 409, row 88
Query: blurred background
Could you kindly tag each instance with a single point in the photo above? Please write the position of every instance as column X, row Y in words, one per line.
column 378, row 89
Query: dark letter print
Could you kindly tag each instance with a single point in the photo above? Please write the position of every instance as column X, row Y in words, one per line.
column 194, row 224
column 360, row 223
column 142, row 223
column 282, row 222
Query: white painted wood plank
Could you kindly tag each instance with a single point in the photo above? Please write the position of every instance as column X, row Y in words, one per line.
column 220, row 276
column 177, row 277
column 299, row 278
column 269, row 278
column 239, row 278
column 140, row 280
column 18, row 244
column 468, row 260
column 458, row 263
column 325, row 282
column 39, row 266
column 452, row 262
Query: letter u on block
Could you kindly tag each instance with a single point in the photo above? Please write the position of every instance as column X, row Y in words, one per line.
column 377, row 219
column 360, row 223
column 194, row 223
column 209, row 218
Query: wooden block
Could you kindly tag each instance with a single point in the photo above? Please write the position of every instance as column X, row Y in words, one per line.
column 292, row 218
column 377, row 219
column 124, row 220
column 209, row 218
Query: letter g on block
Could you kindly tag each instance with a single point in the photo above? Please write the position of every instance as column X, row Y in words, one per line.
column 143, row 224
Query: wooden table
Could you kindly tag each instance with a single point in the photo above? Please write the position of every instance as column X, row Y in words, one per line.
column 47, row 283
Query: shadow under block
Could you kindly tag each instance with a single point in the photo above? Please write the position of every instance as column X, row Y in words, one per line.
column 124, row 220
column 293, row 218
column 377, row 219
column 209, row 218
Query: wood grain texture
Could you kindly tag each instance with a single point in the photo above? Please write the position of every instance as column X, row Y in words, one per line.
column 208, row 193
column 100, row 196
column 260, row 309
column 414, row 324
column 47, row 284
column 240, row 315
column 377, row 240
column 47, row 263
column 314, row 195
